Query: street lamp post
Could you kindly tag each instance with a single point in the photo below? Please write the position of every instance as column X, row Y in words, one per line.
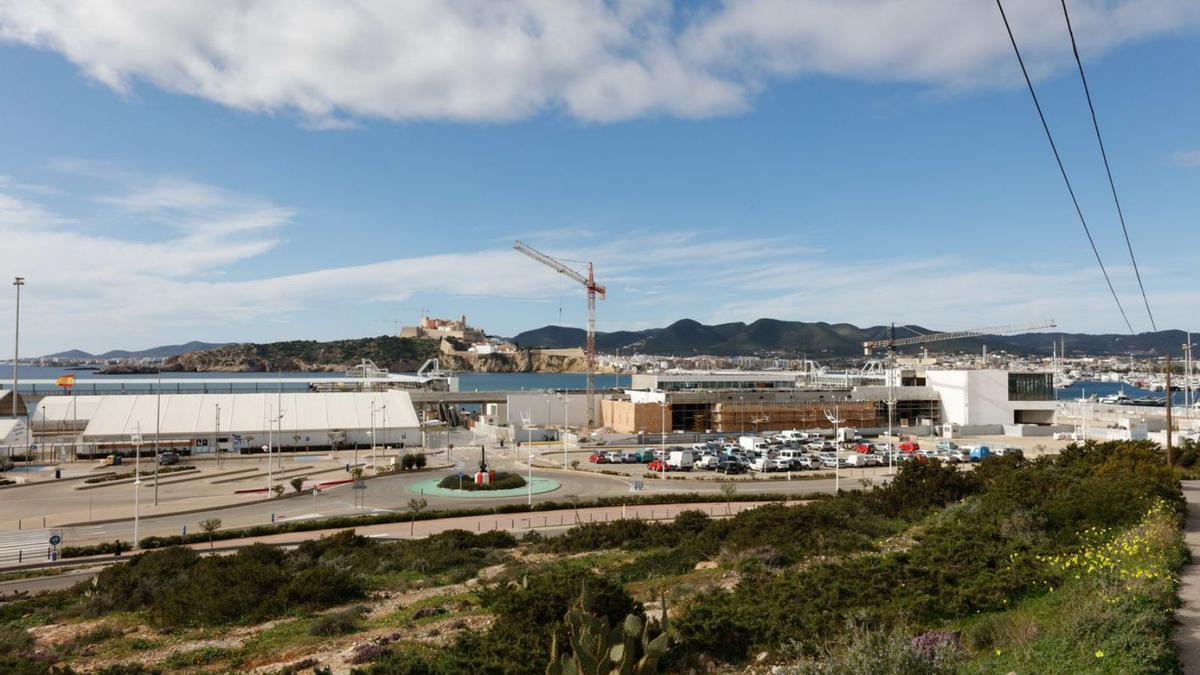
column 663, row 428
column 566, row 408
column 527, row 421
column 137, row 480
column 373, row 437
column 157, row 431
column 18, row 282
column 837, row 459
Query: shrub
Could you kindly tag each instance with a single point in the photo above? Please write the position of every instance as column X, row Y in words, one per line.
column 420, row 460
column 337, row 623
column 14, row 640
column 502, row 481
column 530, row 615
column 368, row 652
column 408, row 461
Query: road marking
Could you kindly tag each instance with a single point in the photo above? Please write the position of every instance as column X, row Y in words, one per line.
column 26, row 545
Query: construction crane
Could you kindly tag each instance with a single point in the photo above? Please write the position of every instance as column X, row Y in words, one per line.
column 593, row 291
column 891, row 342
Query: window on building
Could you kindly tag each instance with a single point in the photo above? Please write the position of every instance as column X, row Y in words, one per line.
column 1030, row 387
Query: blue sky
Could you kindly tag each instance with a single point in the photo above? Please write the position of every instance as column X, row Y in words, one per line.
column 186, row 172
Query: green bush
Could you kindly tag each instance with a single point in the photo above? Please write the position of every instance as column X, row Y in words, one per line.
column 337, row 623
column 502, row 481
column 14, row 640
column 179, row 588
column 968, row 561
column 350, row 522
column 408, row 461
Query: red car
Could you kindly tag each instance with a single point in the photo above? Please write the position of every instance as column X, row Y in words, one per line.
column 599, row 458
column 865, row 448
column 909, row 446
column 657, row 465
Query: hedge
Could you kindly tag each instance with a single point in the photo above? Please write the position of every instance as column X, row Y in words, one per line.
column 403, row 517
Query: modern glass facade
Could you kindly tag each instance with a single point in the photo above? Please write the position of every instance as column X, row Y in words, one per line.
column 1030, row 387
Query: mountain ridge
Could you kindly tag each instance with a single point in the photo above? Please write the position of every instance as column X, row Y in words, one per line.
column 688, row 337
column 160, row 352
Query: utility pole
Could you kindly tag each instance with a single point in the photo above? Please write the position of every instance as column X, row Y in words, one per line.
column 837, row 455
column 217, row 434
column 1170, row 395
column 157, row 428
column 137, row 481
column 18, row 282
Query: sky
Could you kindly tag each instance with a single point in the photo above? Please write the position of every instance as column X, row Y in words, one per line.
column 277, row 170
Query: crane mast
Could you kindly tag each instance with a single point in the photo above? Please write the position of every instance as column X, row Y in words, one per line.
column 892, row 342
column 593, row 291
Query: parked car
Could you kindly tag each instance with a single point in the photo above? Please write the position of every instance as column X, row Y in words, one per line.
column 980, row 452
column 657, row 466
column 599, row 458
column 168, row 458
column 947, row 445
column 1002, row 451
column 708, row 462
column 778, row 464
column 864, row 448
column 947, row 456
column 730, row 467
column 808, row 462
column 760, row 464
column 910, row 446
column 860, row 459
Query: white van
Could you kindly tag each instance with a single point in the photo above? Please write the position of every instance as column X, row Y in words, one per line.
column 791, row 456
column 794, row 435
column 680, row 460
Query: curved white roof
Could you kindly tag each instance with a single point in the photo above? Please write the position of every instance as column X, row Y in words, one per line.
column 192, row 415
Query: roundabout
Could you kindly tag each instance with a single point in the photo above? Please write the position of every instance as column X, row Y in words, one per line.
column 430, row 487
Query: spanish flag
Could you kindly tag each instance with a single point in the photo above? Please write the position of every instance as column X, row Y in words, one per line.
column 65, row 381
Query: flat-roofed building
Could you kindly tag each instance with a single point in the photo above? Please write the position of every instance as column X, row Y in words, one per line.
column 243, row 421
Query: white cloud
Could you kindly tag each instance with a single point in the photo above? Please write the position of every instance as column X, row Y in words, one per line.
column 501, row 60
column 1187, row 158
column 183, row 264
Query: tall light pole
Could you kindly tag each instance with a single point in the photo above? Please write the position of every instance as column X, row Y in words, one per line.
column 217, row 434
column 663, row 428
column 892, row 446
column 891, row 404
column 137, row 480
column 267, row 448
column 527, row 422
column 566, row 409
column 18, row 281
column 157, row 429
column 837, row 459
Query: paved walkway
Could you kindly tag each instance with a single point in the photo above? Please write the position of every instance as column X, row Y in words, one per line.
column 1187, row 617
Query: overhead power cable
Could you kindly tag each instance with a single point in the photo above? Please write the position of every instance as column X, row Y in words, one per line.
column 1111, row 184
column 1062, row 169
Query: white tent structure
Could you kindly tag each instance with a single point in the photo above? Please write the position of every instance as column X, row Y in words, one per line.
column 294, row 419
column 12, row 436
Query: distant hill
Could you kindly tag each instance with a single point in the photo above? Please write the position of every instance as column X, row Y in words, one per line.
column 687, row 337
column 165, row 351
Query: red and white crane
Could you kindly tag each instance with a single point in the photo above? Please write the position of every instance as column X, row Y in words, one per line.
column 594, row 290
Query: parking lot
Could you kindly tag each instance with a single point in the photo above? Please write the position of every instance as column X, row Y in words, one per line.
column 794, row 460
